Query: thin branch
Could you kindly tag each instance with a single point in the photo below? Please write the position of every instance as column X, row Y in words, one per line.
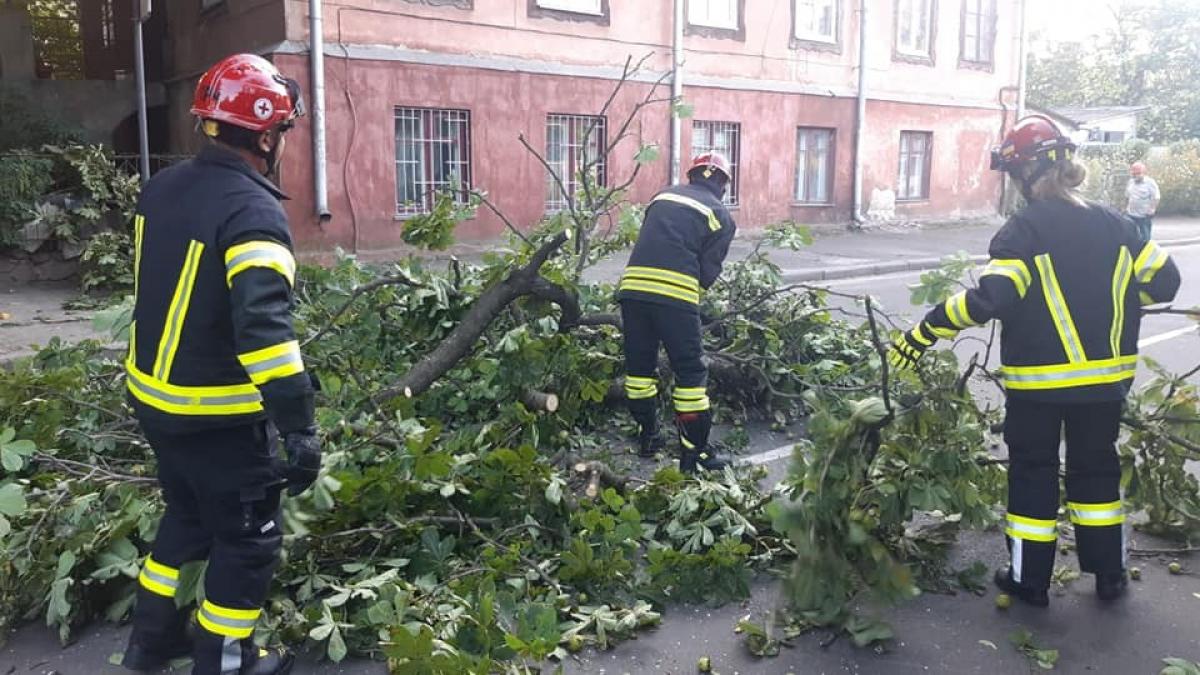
column 503, row 218
column 355, row 294
column 883, row 366
column 570, row 198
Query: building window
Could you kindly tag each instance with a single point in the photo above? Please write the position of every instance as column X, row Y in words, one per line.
column 574, row 144
column 816, row 20
column 814, row 166
column 978, row 31
column 714, row 14
column 914, row 27
column 433, row 153
column 108, row 24
column 915, row 157
column 725, row 138
column 579, row 6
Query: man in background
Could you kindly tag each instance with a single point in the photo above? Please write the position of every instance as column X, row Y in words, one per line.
column 1142, row 199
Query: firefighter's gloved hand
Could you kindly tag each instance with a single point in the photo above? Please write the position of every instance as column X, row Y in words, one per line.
column 906, row 351
column 303, row 450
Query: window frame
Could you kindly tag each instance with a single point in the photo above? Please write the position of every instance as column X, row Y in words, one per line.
column 535, row 10
column 570, row 182
column 830, row 166
column 812, row 40
column 902, row 54
column 108, row 24
column 424, row 201
column 988, row 21
column 732, row 197
column 926, row 167
column 725, row 32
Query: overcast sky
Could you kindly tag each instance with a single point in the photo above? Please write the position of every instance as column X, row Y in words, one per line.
column 1066, row 20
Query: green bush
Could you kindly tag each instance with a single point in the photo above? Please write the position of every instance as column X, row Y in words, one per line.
column 1176, row 169
column 23, row 179
column 23, row 124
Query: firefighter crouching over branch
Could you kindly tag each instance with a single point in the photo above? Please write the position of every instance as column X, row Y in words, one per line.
column 1066, row 279
column 682, row 245
column 214, row 374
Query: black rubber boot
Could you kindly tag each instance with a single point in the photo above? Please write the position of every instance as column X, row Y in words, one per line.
column 1111, row 585
column 1036, row 597
column 217, row 655
column 645, row 413
column 693, row 436
column 650, row 444
column 159, row 633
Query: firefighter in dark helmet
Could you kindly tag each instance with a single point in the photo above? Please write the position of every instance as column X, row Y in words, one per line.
column 1067, row 280
column 683, row 242
column 215, row 375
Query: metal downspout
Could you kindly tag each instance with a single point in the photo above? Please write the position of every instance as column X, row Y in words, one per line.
column 316, row 47
column 676, row 91
column 860, row 118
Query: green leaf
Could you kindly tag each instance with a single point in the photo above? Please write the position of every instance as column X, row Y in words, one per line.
column 12, row 500
column 683, row 110
column 647, row 154
column 337, row 646
column 66, row 563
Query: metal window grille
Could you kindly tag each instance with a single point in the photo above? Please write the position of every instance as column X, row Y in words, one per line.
column 913, row 26
column 915, row 156
column 573, row 143
column 816, row 20
column 979, row 27
column 814, row 165
column 725, row 138
column 108, row 25
column 433, row 154
column 713, row 13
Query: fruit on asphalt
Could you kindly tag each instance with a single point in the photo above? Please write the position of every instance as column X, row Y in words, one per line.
column 575, row 643
column 1175, row 568
column 1135, row 573
column 1003, row 601
column 704, row 665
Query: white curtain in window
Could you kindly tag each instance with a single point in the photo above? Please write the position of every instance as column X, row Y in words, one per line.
column 713, row 13
column 582, row 6
column 816, row 20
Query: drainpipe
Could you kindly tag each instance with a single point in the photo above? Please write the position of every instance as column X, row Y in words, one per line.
column 860, row 119
column 139, row 69
column 316, row 41
column 1023, row 61
column 676, row 90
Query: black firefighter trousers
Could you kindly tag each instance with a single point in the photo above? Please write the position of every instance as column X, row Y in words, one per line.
column 1033, row 431
column 646, row 326
column 222, row 492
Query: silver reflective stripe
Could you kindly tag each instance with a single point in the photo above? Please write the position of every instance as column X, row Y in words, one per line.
column 713, row 223
column 1048, row 531
column 1147, row 272
column 1018, row 559
column 231, row 624
column 261, row 254
column 194, row 400
column 158, row 578
column 231, row 656
column 1058, row 307
column 1085, row 517
column 1068, row 375
column 285, row 359
column 176, row 319
column 1120, row 287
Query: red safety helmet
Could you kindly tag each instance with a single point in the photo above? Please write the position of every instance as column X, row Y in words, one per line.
column 711, row 161
column 247, row 91
column 1033, row 138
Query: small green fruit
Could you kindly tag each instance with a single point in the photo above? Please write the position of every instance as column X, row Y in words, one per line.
column 575, row 643
column 704, row 665
column 1175, row 568
column 564, row 434
column 1135, row 573
column 583, row 598
column 1003, row 601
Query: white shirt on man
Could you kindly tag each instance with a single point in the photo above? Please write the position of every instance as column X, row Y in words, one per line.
column 1142, row 197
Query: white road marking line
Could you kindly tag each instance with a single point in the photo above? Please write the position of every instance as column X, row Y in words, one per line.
column 785, row 451
column 1169, row 335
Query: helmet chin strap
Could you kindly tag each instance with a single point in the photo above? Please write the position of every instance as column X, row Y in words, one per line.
column 1026, row 183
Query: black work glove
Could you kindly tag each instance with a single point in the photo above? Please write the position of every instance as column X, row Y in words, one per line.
column 303, row 459
column 906, row 351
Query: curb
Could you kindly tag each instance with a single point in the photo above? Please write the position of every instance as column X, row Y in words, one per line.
column 914, row 265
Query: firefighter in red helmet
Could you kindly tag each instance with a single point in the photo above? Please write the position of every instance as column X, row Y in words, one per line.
column 1067, row 279
column 682, row 245
column 215, row 376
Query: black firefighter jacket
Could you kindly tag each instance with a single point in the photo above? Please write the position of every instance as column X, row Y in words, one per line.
column 1067, row 284
column 684, row 239
column 212, row 342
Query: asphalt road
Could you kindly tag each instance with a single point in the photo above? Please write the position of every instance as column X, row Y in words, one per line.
column 935, row 633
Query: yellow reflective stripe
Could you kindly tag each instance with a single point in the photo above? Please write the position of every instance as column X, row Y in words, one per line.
column 234, row 623
column 644, row 381
column 956, row 310
column 714, row 223
column 236, row 399
column 637, row 388
column 1014, row 269
column 1066, row 375
column 943, row 333
column 1145, row 298
column 690, row 392
column 159, row 579
column 156, row 585
column 669, row 276
column 683, row 440
column 172, row 331
column 1096, row 515
column 139, row 227
column 1060, row 313
column 161, row 570
column 920, row 336
column 657, row 288
column 268, row 254
column 692, row 406
column 1031, row 529
column 1149, row 262
column 1120, row 285
column 273, row 362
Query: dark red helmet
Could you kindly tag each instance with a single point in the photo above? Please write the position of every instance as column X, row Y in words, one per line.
column 711, row 161
column 1032, row 138
column 247, row 91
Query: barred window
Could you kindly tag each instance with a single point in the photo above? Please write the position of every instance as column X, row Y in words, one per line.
column 573, row 143
column 916, row 153
column 433, row 153
column 814, row 165
column 725, row 138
